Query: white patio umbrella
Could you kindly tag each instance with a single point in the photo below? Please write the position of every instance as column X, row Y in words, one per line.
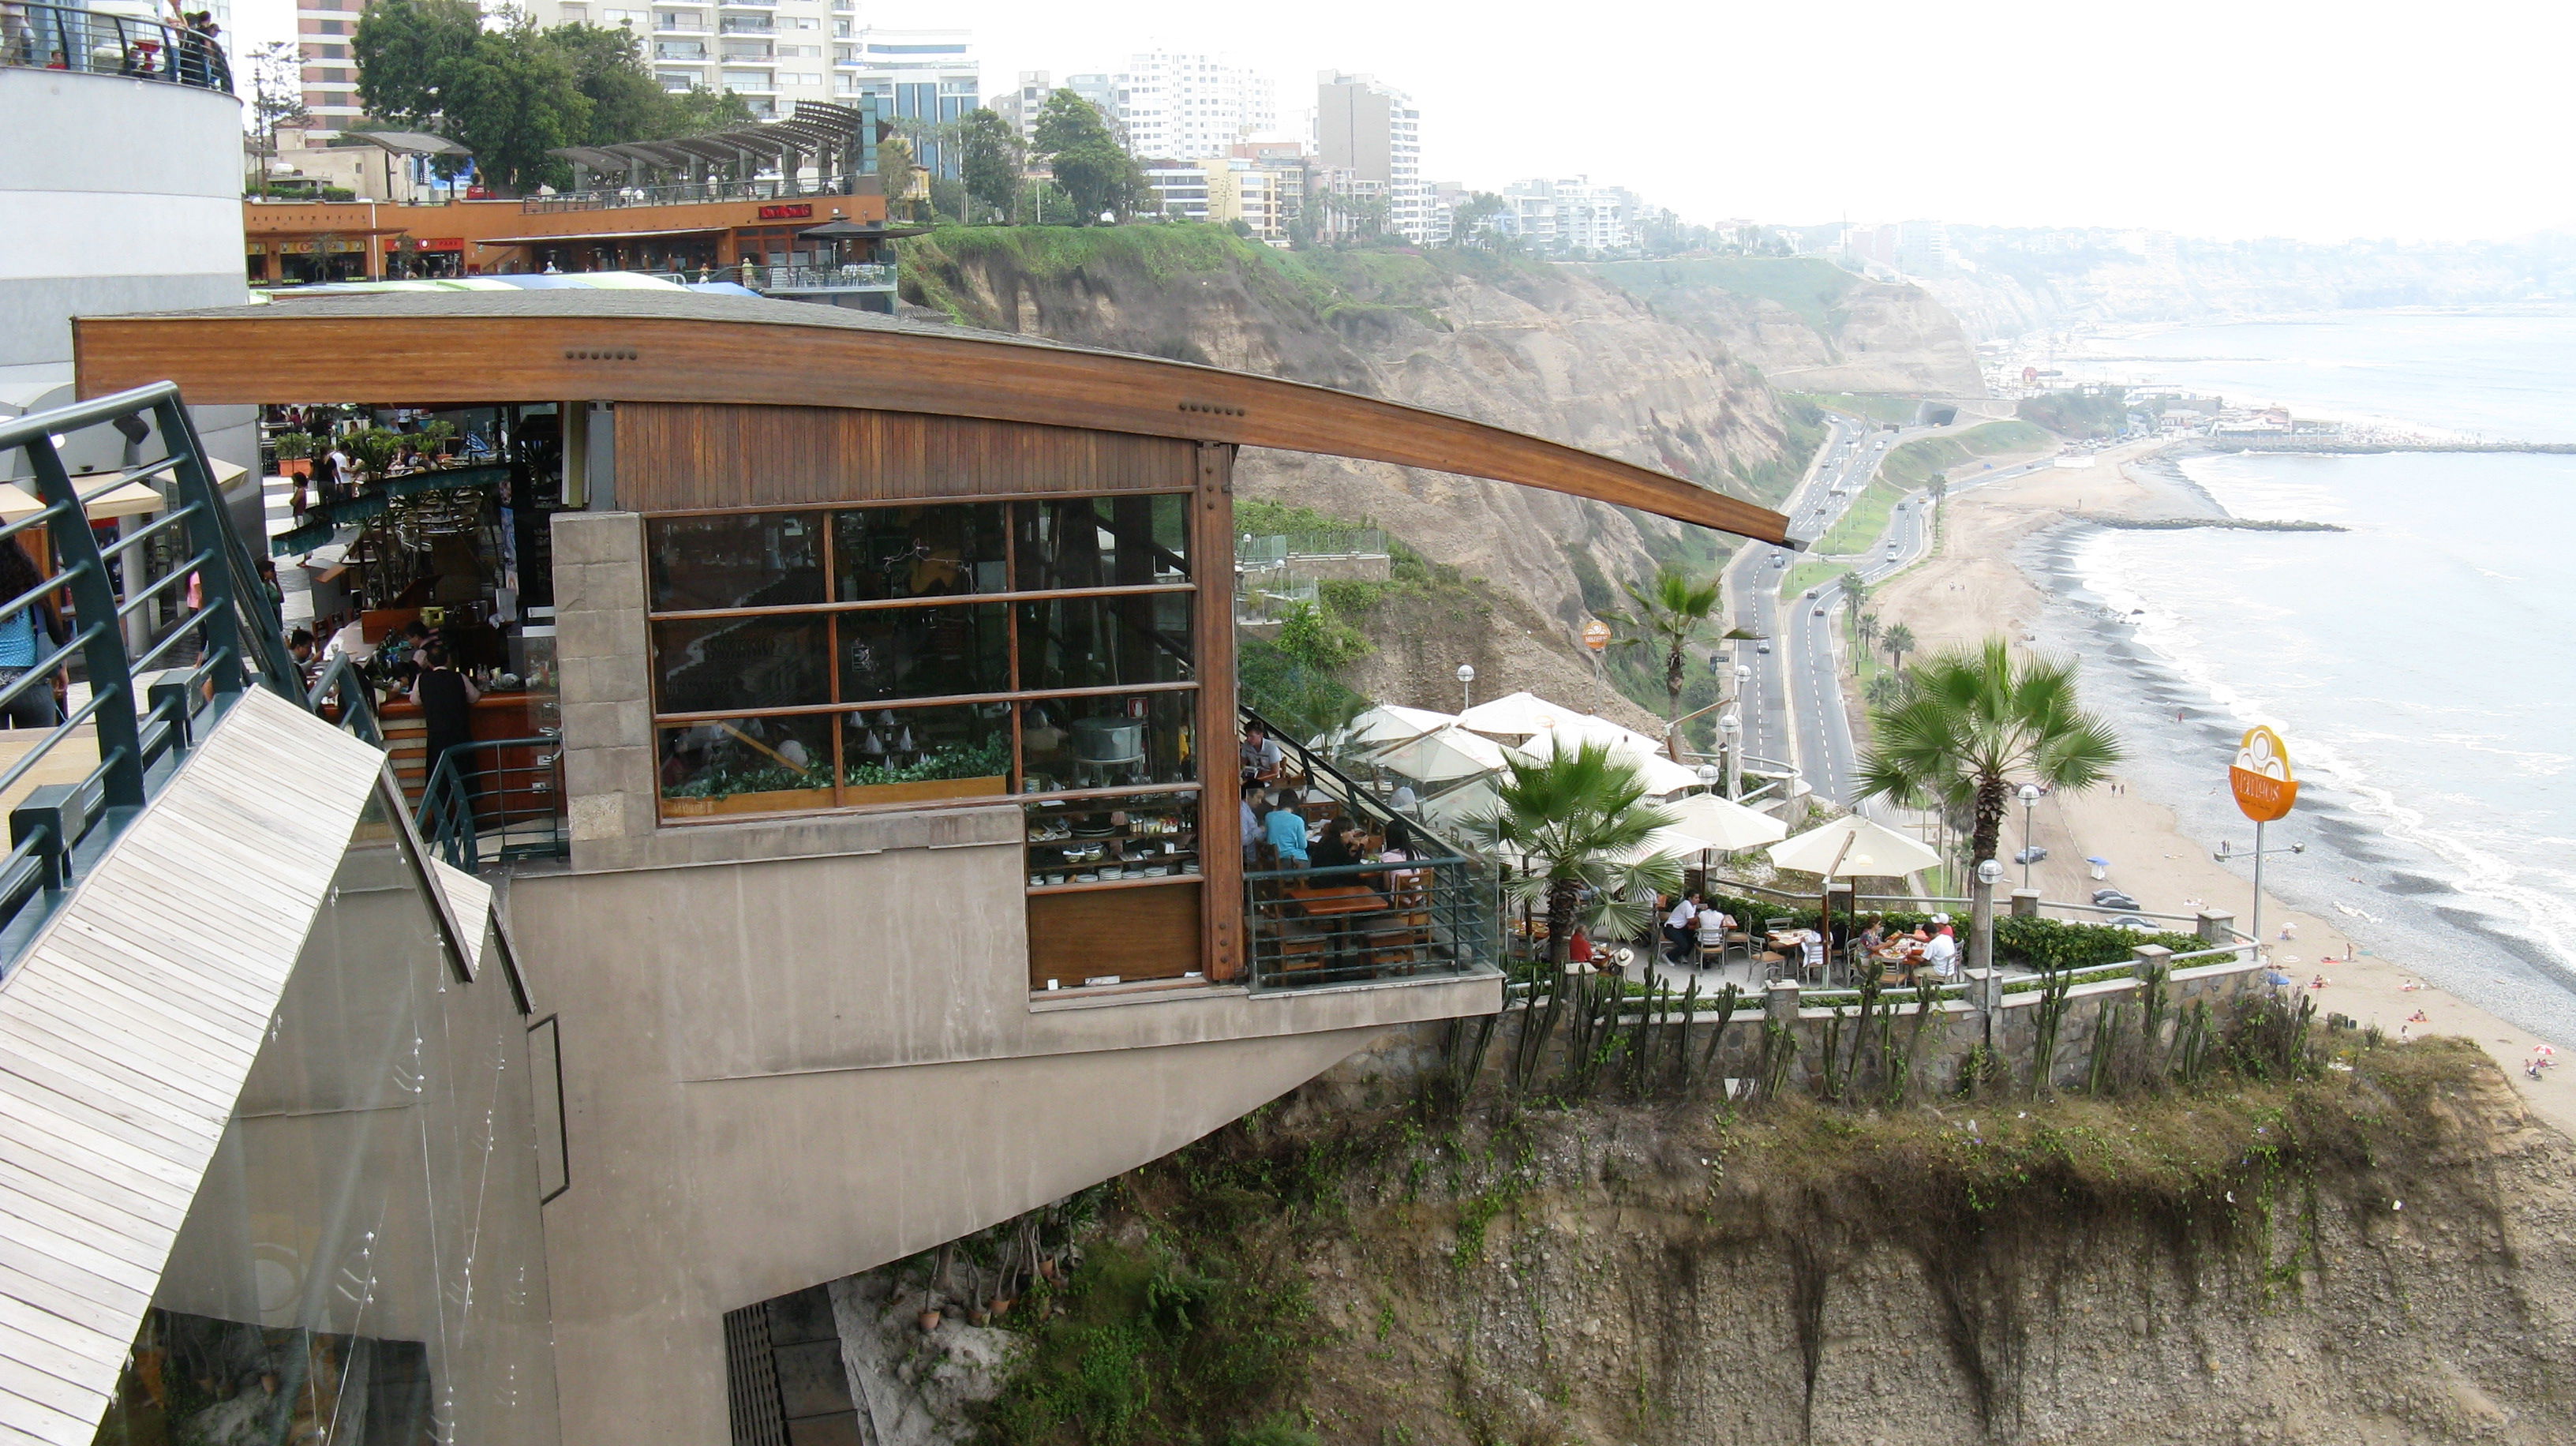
column 1390, row 723
column 1466, row 803
column 1852, row 846
column 1518, row 716
column 1442, row 755
column 1722, row 826
column 1660, row 774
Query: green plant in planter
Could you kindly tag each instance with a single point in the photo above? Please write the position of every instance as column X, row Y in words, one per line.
column 722, row 782
column 292, row 446
column 975, row 760
column 434, row 437
column 375, row 449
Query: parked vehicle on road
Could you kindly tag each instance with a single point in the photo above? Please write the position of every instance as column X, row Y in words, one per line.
column 2031, row 854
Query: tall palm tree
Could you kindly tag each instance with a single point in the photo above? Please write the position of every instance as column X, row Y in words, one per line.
column 1898, row 640
column 1865, row 631
column 1576, row 820
column 1855, row 593
column 1973, row 726
column 1672, row 613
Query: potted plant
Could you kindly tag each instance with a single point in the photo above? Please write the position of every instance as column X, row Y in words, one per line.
column 375, row 448
column 436, row 437
column 294, row 452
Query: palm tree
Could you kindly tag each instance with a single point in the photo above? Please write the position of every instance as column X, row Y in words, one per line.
column 1898, row 640
column 1575, row 820
column 1865, row 631
column 1972, row 727
column 1671, row 614
column 1855, row 593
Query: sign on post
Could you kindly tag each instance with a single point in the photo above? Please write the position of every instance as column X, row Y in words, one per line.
column 2261, row 778
column 1596, row 635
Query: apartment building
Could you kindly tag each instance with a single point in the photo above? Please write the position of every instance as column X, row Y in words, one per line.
column 1372, row 131
column 775, row 53
column 1187, row 107
column 1561, row 216
column 1224, row 190
column 325, row 30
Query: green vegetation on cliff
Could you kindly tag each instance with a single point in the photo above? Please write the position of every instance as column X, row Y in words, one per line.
column 1371, row 1270
column 1913, row 464
column 2073, row 414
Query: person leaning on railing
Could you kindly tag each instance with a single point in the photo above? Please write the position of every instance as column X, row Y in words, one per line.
column 25, row 637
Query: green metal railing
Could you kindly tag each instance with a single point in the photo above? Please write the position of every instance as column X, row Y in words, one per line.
column 162, row 662
column 496, row 801
column 1439, row 911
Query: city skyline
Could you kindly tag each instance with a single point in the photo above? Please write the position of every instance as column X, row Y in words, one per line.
column 2011, row 117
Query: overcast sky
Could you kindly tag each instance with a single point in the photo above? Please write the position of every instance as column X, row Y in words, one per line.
column 2254, row 117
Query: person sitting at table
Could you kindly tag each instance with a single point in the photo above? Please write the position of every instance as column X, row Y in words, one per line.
column 1812, row 951
column 1256, row 803
column 1285, row 830
column 1399, row 842
column 1943, row 950
column 1874, row 936
column 1261, row 756
column 1332, row 850
column 1681, row 928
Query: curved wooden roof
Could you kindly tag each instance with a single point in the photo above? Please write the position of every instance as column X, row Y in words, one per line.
column 664, row 345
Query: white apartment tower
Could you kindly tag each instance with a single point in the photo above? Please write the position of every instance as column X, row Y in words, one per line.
column 775, row 53
column 1192, row 107
column 1373, row 133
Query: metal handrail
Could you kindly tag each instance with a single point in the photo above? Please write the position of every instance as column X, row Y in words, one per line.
column 470, row 826
column 237, row 641
column 1433, row 916
column 93, row 42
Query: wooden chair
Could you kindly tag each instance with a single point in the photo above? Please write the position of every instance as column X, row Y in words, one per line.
column 1402, row 936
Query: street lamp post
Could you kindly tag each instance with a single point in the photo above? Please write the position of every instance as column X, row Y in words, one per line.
column 2029, row 797
column 1466, row 686
column 1981, row 934
column 1729, row 747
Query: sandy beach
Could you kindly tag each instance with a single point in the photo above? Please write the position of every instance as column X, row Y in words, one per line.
column 1976, row 586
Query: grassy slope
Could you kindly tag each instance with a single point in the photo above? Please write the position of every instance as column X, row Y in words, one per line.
column 1863, row 521
column 1914, row 463
column 1868, row 409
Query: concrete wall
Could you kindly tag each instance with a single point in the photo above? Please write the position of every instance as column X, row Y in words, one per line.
column 118, row 196
column 798, row 1049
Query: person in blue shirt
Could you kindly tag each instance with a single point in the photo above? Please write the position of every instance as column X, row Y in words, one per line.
column 1285, row 829
column 26, row 637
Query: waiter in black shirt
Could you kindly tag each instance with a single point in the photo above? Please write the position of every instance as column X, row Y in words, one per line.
column 446, row 698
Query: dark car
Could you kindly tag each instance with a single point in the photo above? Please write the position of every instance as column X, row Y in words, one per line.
column 2113, row 899
column 2134, row 923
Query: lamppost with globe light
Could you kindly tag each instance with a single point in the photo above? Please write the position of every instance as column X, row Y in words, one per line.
column 1981, row 936
column 2029, row 798
column 1729, row 747
column 1466, row 686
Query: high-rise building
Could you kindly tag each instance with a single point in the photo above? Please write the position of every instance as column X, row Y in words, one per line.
column 1373, row 132
column 1223, row 190
column 1021, row 105
column 1190, row 107
column 325, row 31
column 1564, row 215
column 774, row 53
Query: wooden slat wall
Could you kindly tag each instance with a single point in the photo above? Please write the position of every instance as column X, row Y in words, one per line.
column 1220, row 802
column 126, row 1034
column 1147, row 933
column 274, row 354
column 684, row 456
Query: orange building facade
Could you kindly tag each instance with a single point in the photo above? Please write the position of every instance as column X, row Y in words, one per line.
column 305, row 241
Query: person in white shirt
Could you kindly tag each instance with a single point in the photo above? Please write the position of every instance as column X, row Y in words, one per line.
column 1713, row 925
column 1405, row 799
column 1680, row 928
column 1943, row 953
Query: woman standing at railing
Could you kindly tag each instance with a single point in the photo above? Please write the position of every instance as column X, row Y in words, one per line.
column 446, row 698
column 21, row 644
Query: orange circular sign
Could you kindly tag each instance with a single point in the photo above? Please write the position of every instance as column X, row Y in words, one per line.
column 2260, row 777
column 1596, row 635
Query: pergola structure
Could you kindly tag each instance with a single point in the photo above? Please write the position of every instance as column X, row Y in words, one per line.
column 840, row 142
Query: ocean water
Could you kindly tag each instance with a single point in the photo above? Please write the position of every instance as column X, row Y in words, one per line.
column 2419, row 663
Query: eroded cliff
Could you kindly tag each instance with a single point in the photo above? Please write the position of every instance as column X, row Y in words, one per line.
column 1808, row 325
column 1540, row 349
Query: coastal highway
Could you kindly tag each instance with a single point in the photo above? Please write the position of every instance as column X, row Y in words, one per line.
column 1849, row 458
column 1826, row 749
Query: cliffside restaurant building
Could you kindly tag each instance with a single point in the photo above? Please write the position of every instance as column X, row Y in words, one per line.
column 899, row 887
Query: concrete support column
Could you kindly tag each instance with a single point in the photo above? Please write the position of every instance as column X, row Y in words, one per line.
column 2025, row 903
column 606, row 687
column 1780, row 1006
column 2216, row 929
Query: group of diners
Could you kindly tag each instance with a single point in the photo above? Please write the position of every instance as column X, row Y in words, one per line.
column 1696, row 930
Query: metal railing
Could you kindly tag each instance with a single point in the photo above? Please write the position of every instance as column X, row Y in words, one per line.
column 160, row 653
column 495, row 802
column 1438, row 912
column 1363, row 922
column 769, row 188
column 1278, row 548
column 323, row 517
column 94, row 42
column 855, row 276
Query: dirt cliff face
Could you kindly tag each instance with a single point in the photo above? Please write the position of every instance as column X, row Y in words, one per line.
column 1649, row 1285
column 1544, row 350
column 1808, row 325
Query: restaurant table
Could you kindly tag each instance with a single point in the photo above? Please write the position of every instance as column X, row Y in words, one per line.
column 1339, row 903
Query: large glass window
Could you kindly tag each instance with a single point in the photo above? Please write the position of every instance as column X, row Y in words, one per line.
column 908, row 654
